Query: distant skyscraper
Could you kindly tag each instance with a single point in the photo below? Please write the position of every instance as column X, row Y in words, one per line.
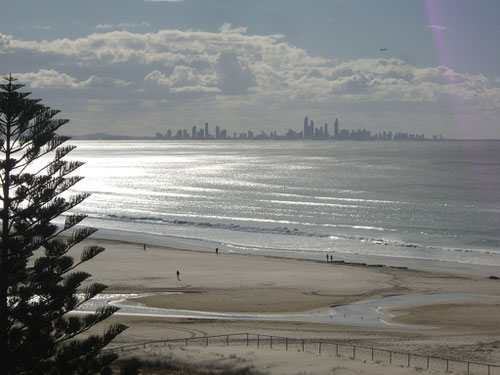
column 193, row 132
column 336, row 129
column 306, row 127
column 206, row 130
column 217, row 132
column 326, row 134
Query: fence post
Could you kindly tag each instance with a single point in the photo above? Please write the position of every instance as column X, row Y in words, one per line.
column 390, row 358
column 408, row 355
column 186, row 342
column 447, row 365
column 337, row 350
column 270, row 342
column 207, row 340
column 165, row 342
column 302, row 345
column 286, row 344
column 354, row 352
column 144, row 346
column 489, row 370
column 427, row 362
column 320, row 348
column 468, row 367
column 227, row 340
column 247, row 339
column 258, row 340
column 372, row 354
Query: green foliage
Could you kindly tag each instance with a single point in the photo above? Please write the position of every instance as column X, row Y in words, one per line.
column 38, row 281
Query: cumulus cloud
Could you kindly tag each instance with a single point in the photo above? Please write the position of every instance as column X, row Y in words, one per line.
column 232, row 63
column 184, row 79
column 50, row 78
column 165, row 45
column 233, row 75
column 228, row 28
column 230, row 69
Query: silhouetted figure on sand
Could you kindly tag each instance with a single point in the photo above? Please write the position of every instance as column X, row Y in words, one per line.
column 216, row 251
column 178, row 275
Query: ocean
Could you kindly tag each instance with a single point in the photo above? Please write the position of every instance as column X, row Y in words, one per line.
column 410, row 200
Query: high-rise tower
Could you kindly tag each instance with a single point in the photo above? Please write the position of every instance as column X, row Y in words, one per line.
column 306, row 127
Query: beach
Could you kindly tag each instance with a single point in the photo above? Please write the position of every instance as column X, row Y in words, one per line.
column 256, row 284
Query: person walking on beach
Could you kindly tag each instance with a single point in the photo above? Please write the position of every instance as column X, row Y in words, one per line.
column 178, row 275
column 216, row 251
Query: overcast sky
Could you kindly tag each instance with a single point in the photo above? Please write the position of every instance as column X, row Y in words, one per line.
column 140, row 66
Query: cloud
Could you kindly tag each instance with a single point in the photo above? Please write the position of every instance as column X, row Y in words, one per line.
column 232, row 63
column 233, row 75
column 123, row 25
column 230, row 71
column 5, row 41
column 228, row 28
column 184, row 79
column 437, row 27
column 50, row 78
column 168, row 46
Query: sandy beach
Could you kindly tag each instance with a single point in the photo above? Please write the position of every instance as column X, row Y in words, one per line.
column 254, row 284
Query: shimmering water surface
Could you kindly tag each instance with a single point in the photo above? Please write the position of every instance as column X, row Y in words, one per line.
column 420, row 200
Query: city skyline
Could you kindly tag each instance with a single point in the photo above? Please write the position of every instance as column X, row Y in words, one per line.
column 310, row 131
column 132, row 66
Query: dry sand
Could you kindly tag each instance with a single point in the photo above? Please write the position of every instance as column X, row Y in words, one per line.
column 261, row 284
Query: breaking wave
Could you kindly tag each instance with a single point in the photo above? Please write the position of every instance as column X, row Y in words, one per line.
column 285, row 230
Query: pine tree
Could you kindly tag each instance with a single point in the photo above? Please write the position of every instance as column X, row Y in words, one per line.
column 38, row 279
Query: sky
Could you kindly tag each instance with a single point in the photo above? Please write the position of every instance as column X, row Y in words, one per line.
column 137, row 67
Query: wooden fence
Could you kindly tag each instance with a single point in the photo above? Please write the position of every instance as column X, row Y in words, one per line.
column 326, row 348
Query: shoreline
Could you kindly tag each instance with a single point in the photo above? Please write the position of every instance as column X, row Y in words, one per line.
column 190, row 244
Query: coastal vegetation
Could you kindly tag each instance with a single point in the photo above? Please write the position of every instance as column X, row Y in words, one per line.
column 38, row 279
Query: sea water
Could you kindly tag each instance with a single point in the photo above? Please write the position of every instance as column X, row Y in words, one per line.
column 414, row 200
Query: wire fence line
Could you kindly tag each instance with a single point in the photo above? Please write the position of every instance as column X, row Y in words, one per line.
column 355, row 352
